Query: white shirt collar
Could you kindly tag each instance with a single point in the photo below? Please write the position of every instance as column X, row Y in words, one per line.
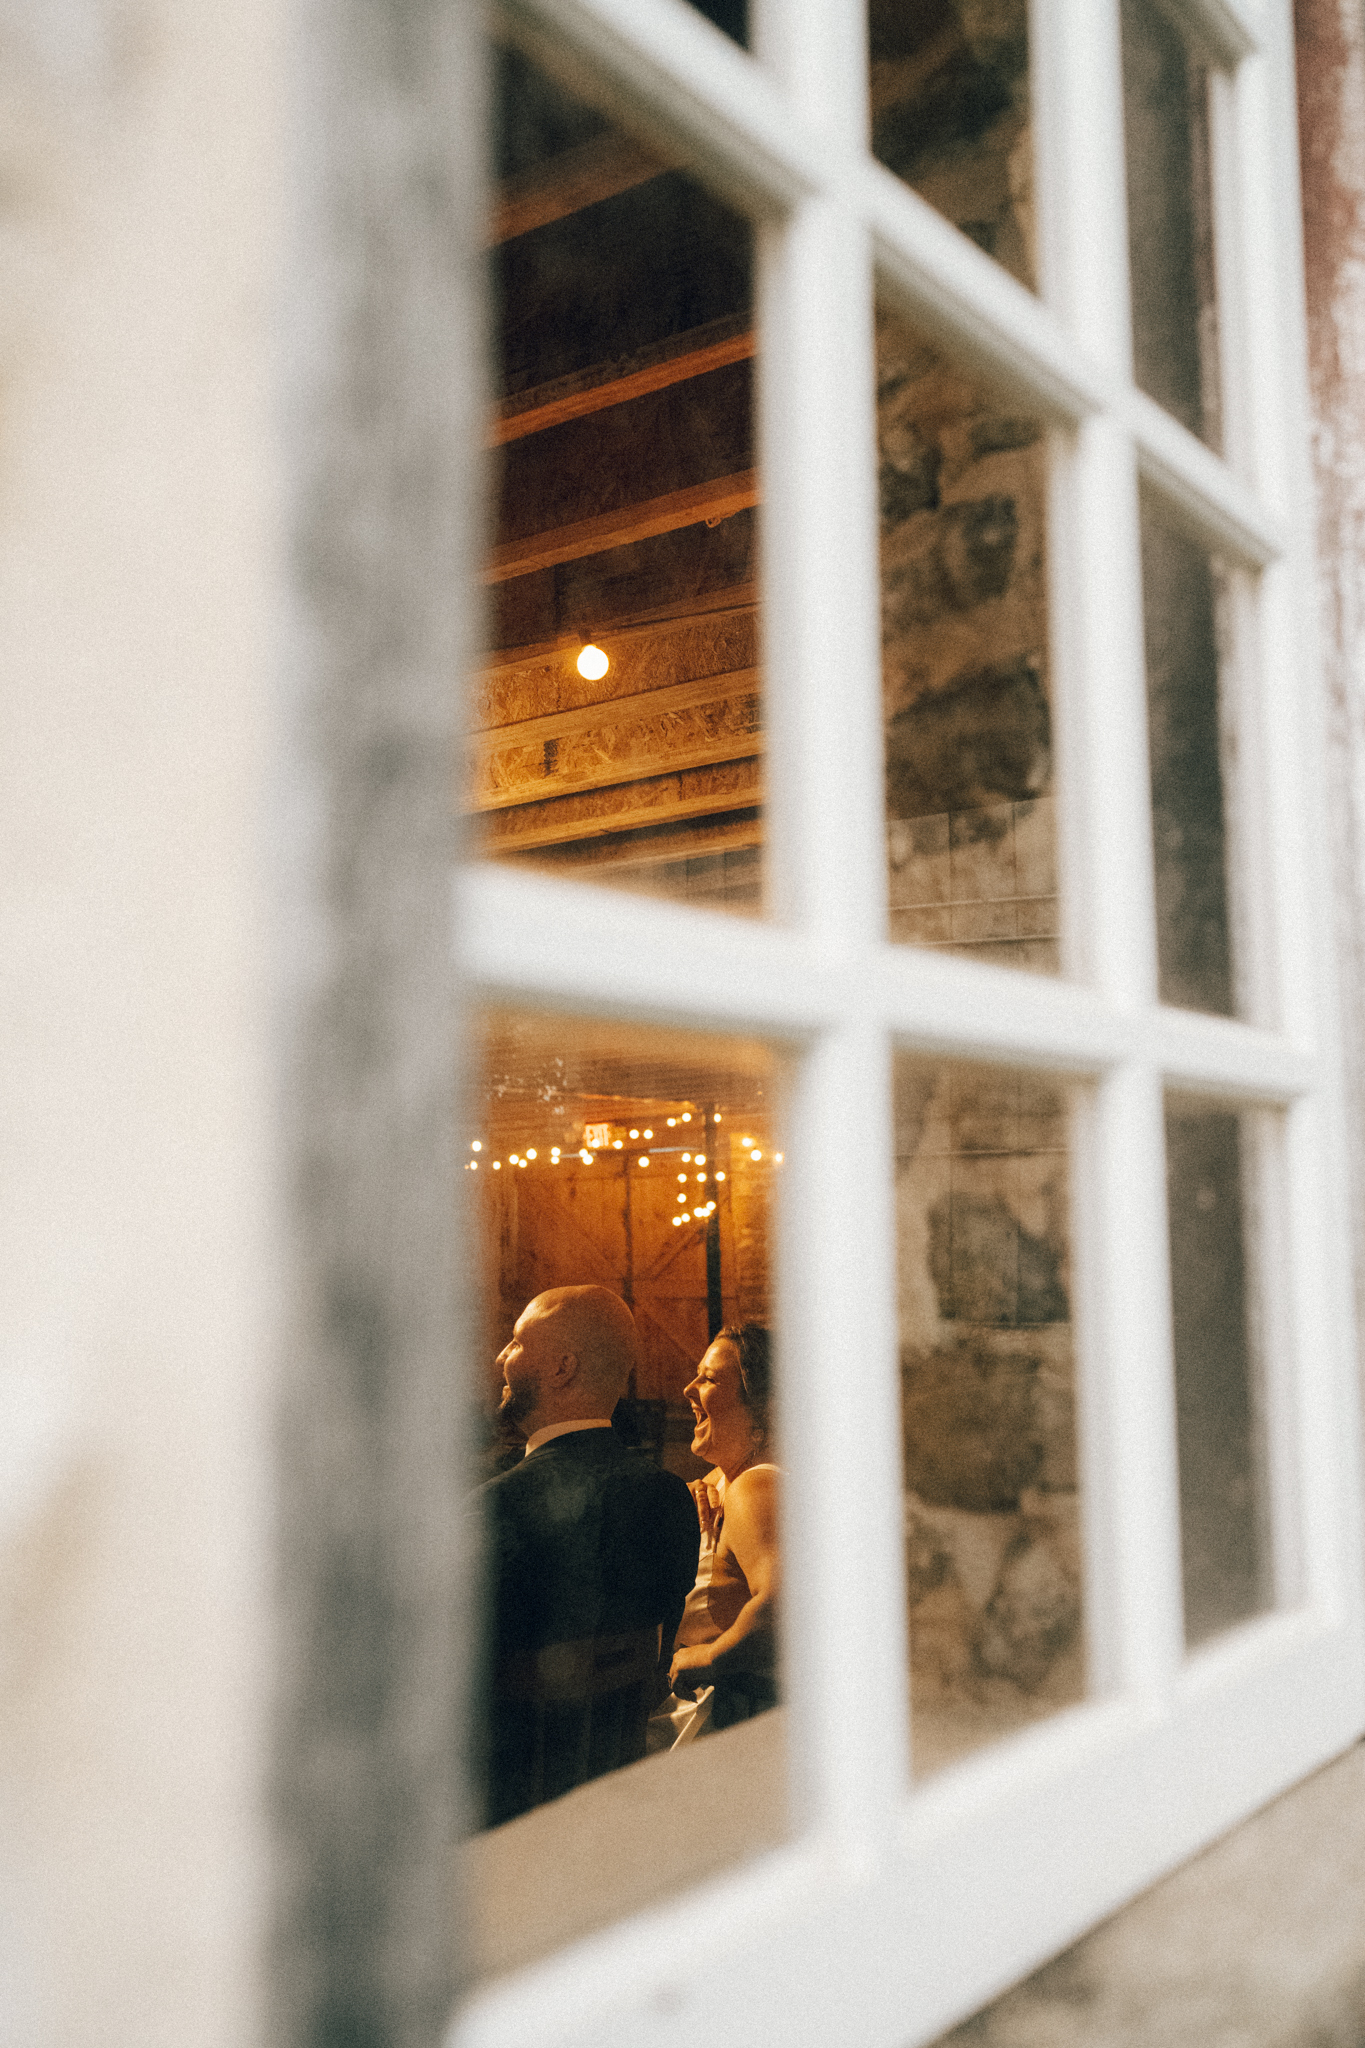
column 553, row 1429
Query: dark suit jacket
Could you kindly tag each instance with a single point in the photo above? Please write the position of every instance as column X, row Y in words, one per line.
column 583, row 1539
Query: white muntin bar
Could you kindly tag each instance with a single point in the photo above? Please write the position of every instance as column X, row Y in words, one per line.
column 1077, row 89
column 1100, row 692
column 1318, row 1377
column 817, row 49
column 1129, row 1487
column 817, row 452
column 844, row 1618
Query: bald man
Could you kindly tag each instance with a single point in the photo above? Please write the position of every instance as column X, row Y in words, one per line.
column 590, row 1553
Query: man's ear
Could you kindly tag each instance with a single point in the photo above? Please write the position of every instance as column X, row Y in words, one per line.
column 564, row 1371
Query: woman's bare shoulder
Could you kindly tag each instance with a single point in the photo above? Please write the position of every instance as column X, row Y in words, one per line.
column 753, row 1488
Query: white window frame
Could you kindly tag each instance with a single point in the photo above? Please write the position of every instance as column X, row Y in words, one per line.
column 898, row 1908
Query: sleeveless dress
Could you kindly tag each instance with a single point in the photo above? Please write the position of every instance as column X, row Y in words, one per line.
column 732, row 1698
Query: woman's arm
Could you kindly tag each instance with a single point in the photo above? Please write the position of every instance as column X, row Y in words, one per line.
column 749, row 1534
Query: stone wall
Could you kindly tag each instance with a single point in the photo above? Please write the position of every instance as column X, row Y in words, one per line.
column 970, row 832
column 992, row 1538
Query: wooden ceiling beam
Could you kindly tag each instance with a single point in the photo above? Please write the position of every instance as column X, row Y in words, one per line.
column 695, row 839
column 516, row 419
column 568, row 183
column 655, row 800
column 724, row 726
column 739, row 598
column 611, row 713
column 718, row 499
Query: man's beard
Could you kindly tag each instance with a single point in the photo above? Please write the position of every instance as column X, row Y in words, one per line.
column 518, row 1402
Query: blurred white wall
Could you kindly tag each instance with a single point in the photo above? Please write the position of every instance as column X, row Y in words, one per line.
column 139, row 144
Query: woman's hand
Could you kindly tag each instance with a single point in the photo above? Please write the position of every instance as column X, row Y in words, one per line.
column 690, row 1669
column 708, row 1507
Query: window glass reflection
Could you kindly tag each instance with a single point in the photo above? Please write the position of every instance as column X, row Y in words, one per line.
column 1170, row 219
column 987, row 1367
column 1210, row 1153
column 623, row 1185
column 617, row 726
column 950, row 115
column 1181, row 591
column 970, row 818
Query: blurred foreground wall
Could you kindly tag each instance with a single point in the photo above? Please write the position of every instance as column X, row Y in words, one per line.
column 138, row 182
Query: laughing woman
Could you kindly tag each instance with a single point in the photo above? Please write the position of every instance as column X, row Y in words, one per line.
column 727, row 1637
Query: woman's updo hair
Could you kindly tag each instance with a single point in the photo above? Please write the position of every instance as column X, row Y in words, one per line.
column 755, row 1371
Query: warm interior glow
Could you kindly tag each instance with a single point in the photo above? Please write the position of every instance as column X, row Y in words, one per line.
column 593, row 663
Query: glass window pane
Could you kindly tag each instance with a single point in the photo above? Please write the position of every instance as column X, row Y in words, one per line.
column 617, row 728
column 1181, row 591
column 1209, row 1156
column 970, row 822
column 950, row 115
column 730, row 16
column 988, row 1405
column 622, row 1183
column 1170, row 219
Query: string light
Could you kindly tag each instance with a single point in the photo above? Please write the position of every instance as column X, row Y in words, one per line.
column 588, row 1157
column 592, row 663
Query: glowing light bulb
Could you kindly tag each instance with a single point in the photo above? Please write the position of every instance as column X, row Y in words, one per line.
column 643, row 1160
column 701, row 1176
column 497, row 1166
column 720, row 1176
column 514, row 1159
column 687, row 1116
column 476, row 1144
column 473, row 1166
column 701, row 1158
column 671, row 1121
column 592, row 663
column 746, row 1141
column 716, row 1118
column 683, row 1199
column 777, row 1158
column 676, row 1221
column 648, row 1134
column 586, row 1157
column 682, row 1176
column 687, row 1158
column 532, row 1153
column 616, row 1144
column 635, row 1134
column 755, row 1154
